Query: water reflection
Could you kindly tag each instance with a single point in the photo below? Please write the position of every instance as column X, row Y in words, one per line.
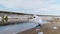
column 9, row 29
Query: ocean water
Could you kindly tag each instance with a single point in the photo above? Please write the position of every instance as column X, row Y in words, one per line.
column 10, row 29
column 15, row 28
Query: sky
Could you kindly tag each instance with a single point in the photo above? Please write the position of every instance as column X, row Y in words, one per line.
column 41, row 7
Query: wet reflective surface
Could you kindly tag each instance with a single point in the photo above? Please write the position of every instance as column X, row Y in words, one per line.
column 11, row 29
column 49, row 28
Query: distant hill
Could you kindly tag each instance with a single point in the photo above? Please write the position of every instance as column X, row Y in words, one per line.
column 6, row 12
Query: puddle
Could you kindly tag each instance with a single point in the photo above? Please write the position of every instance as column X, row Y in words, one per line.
column 55, row 28
column 40, row 32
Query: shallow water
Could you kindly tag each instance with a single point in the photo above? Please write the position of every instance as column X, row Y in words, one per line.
column 10, row 29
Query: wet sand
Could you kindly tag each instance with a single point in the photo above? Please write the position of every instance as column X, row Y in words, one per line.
column 50, row 28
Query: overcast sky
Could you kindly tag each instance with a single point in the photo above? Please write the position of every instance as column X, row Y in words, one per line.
column 46, row 7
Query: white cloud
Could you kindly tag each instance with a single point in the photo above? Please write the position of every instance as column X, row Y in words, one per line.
column 55, row 7
column 38, row 6
column 20, row 4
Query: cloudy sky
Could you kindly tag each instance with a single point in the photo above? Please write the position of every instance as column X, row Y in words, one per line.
column 46, row 7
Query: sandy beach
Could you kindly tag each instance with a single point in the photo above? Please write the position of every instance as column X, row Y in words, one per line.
column 50, row 28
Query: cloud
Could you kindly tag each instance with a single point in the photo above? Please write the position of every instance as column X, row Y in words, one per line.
column 32, row 6
column 25, row 4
